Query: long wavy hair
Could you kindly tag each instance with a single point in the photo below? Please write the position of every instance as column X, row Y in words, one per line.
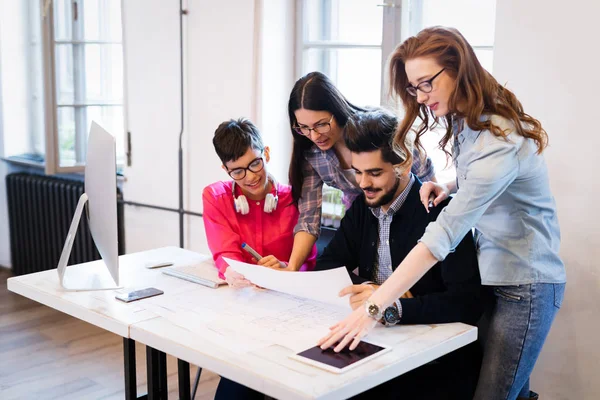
column 476, row 90
column 314, row 91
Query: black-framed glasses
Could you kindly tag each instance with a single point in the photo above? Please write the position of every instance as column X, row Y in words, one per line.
column 425, row 86
column 255, row 166
column 321, row 127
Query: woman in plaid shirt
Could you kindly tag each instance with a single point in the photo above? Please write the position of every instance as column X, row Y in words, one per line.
column 318, row 113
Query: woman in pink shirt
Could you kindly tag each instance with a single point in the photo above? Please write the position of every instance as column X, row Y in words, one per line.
column 251, row 209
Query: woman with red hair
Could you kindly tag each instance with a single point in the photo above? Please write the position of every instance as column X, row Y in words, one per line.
column 501, row 190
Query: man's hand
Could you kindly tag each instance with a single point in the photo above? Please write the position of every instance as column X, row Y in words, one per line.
column 235, row 279
column 358, row 294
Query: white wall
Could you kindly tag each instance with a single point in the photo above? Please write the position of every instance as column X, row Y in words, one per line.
column 4, row 238
column 4, row 235
column 547, row 54
column 14, row 104
column 151, row 40
column 276, row 74
column 220, row 86
column 225, row 77
column 14, row 75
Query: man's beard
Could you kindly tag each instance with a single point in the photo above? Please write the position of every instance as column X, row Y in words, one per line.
column 386, row 198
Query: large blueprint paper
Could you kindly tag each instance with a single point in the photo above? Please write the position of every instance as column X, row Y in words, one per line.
column 265, row 317
column 322, row 286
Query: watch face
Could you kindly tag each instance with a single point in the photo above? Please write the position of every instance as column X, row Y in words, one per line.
column 373, row 309
column 391, row 315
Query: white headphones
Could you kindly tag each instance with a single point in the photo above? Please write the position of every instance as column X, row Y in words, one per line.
column 241, row 203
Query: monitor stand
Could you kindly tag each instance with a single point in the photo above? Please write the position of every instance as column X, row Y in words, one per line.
column 93, row 277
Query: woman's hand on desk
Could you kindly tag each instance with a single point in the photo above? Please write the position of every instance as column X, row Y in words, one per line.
column 235, row 279
column 349, row 331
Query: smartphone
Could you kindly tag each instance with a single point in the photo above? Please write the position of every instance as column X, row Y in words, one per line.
column 138, row 294
column 344, row 360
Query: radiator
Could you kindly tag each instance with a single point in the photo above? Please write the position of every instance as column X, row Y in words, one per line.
column 40, row 209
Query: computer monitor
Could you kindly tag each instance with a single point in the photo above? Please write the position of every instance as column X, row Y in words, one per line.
column 101, row 198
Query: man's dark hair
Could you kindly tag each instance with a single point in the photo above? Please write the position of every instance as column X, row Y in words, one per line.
column 372, row 130
column 234, row 137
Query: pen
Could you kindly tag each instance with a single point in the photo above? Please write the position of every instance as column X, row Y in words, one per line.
column 251, row 251
column 431, row 199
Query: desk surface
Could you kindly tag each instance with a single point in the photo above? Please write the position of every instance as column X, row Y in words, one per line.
column 248, row 336
column 100, row 308
column 245, row 335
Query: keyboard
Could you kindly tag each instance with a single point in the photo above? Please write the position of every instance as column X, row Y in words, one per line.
column 204, row 273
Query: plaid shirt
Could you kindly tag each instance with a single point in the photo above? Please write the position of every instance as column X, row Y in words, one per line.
column 383, row 267
column 324, row 167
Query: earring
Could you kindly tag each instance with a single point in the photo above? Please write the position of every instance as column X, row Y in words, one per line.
column 398, row 172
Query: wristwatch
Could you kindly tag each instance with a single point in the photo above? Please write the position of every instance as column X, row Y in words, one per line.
column 373, row 310
column 391, row 316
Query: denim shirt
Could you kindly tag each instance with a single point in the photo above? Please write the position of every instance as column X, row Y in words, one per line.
column 504, row 193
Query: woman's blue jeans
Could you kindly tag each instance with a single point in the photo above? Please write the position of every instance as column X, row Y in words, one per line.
column 519, row 319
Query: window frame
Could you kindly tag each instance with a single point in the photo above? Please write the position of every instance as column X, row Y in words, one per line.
column 303, row 43
column 397, row 25
column 51, row 106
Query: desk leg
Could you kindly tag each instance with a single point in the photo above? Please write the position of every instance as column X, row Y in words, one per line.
column 196, row 382
column 162, row 375
column 130, row 373
column 156, row 367
column 183, row 371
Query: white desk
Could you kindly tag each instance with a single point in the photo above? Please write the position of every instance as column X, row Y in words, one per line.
column 100, row 308
column 236, row 335
column 245, row 336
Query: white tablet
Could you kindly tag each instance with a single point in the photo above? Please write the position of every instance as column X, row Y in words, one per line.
column 344, row 360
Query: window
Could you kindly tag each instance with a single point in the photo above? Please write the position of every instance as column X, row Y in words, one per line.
column 350, row 41
column 76, row 77
column 342, row 38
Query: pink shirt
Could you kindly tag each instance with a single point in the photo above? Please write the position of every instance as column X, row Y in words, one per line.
column 267, row 233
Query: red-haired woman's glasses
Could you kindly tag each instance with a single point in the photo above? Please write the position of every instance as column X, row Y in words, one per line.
column 425, row 86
